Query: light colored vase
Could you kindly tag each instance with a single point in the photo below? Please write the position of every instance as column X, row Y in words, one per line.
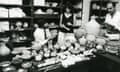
column 4, row 50
column 93, row 27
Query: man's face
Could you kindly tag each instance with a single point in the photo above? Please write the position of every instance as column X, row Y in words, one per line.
column 110, row 8
column 54, row 33
column 67, row 10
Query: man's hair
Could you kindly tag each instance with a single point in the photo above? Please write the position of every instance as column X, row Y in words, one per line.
column 113, row 3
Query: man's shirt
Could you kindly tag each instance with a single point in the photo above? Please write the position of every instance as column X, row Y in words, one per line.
column 113, row 20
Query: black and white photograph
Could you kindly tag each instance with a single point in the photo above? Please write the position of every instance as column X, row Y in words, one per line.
column 59, row 35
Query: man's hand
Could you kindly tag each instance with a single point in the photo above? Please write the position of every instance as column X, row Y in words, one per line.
column 50, row 38
column 112, row 28
column 109, row 26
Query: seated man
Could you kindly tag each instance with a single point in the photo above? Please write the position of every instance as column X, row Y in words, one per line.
column 39, row 37
column 44, row 36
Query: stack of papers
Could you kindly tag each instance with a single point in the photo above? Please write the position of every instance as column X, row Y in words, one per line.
column 39, row 2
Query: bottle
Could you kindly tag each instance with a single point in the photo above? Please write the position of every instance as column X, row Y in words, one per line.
column 92, row 27
column 4, row 50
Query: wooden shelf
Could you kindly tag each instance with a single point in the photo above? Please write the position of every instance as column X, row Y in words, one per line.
column 53, row 0
column 15, row 18
column 21, row 43
column 100, row 17
column 104, row 1
column 98, row 9
column 29, row 29
column 9, row 6
column 46, row 16
column 47, row 7
column 38, row 16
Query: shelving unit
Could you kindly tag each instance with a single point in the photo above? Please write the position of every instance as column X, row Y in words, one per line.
column 47, row 16
column 15, row 18
column 31, row 18
column 28, row 8
column 12, row 21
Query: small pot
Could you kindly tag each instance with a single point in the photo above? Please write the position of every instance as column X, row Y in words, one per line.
column 9, row 69
column 17, row 61
column 22, row 70
column 26, row 65
column 5, row 64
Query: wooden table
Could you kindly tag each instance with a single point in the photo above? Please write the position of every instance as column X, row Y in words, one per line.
column 105, row 63
column 82, row 66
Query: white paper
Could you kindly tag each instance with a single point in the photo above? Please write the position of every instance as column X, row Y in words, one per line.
column 39, row 2
column 15, row 2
